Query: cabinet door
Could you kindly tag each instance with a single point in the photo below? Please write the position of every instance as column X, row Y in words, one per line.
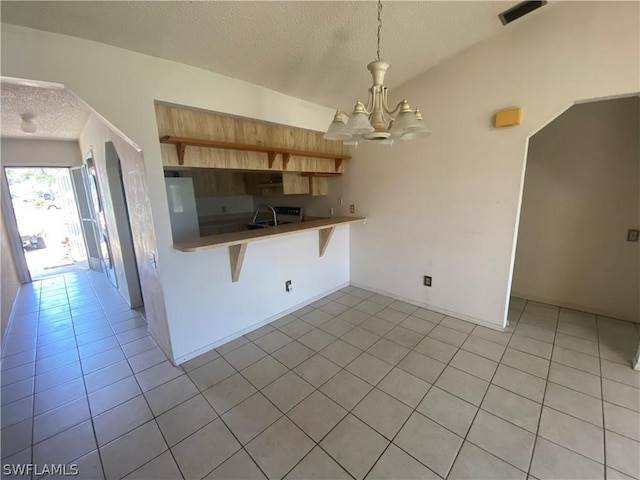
column 294, row 184
column 258, row 183
column 229, row 183
column 211, row 183
column 319, row 186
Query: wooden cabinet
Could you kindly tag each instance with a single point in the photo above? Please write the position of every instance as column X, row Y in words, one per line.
column 319, row 186
column 213, row 183
column 216, row 182
column 294, row 184
column 280, row 183
column 259, row 183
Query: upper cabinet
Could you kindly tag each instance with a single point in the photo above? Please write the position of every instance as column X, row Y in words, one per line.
column 280, row 144
column 210, row 182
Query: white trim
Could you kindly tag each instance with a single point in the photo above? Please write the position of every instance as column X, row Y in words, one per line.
column 211, row 346
column 9, row 323
column 570, row 306
column 482, row 323
column 15, row 242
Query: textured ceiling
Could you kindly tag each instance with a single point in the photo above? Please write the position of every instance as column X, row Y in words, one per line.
column 57, row 113
column 315, row 50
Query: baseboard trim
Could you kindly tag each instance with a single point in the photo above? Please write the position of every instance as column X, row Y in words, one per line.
column 571, row 306
column 211, row 346
column 10, row 321
column 461, row 316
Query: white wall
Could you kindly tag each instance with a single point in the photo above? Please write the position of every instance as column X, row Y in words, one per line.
column 448, row 205
column 259, row 295
column 92, row 142
column 18, row 152
column 581, row 195
column 122, row 87
column 129, row 274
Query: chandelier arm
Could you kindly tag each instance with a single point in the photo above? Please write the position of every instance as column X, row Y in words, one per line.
column 370, row 103
column 393, row 112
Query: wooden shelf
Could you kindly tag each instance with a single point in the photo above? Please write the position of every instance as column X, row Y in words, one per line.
column 182, row 143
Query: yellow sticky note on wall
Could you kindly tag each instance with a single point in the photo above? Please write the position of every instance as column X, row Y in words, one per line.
column 508, row 118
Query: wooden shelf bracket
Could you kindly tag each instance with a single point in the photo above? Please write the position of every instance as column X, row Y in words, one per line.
column 324, row 236
column 236, row 257
column 181, row 148
column 338, row 164
column 286, row 156
column 272, row 158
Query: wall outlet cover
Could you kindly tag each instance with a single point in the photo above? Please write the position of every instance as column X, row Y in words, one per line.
column 632, row 235
column 426, row 281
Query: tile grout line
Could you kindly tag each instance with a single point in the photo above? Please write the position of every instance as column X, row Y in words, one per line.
column 35, row 363
column 544, row 396
column 349, row 412
column 316, row 444
column 93, row 428
column 375, row 386
column 489, row 383
column 414, row 409
column 154, row 418
column 258, row 391
column 604, row 436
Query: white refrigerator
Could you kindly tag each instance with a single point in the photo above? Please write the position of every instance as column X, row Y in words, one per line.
column 182, row 208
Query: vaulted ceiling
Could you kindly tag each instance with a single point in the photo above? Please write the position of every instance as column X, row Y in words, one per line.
column 315, row 50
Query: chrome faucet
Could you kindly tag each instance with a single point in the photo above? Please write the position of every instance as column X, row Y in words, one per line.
column 260, row 207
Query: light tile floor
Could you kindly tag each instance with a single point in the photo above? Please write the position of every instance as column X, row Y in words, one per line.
column 354, row 385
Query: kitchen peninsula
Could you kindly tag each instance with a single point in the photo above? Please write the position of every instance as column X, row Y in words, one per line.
column 231, row 182
column 237, row 241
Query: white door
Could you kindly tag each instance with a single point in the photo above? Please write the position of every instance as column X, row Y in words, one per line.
column 67, row 201
column 88, row 221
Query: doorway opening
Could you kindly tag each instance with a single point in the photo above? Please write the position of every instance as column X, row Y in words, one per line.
column 46, row 214
column 579, row 204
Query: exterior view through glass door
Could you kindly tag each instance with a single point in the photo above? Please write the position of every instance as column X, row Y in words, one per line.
column 46, row 214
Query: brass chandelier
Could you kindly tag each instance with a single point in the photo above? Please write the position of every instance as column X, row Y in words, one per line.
column 376, row 122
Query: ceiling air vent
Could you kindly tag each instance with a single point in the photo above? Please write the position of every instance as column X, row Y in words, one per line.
column 520, row 10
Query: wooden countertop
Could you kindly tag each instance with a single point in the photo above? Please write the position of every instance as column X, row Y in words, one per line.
column 246, row 236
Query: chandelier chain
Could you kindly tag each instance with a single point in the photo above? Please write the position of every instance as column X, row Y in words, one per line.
column 379, row 25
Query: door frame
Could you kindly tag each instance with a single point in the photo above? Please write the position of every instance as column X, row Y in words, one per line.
column 10, row 221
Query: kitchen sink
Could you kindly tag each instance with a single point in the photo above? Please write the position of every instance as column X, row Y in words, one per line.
column 264, row 224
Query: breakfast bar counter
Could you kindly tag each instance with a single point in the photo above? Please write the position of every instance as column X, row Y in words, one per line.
column 237, row 241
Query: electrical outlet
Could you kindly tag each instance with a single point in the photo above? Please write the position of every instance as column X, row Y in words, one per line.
column 632, row 235
column 352, row 208
column 426, row 281
column 288, row 286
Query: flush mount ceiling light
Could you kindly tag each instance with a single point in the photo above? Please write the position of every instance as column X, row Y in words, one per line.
column 375, row 122
column 27, row 124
